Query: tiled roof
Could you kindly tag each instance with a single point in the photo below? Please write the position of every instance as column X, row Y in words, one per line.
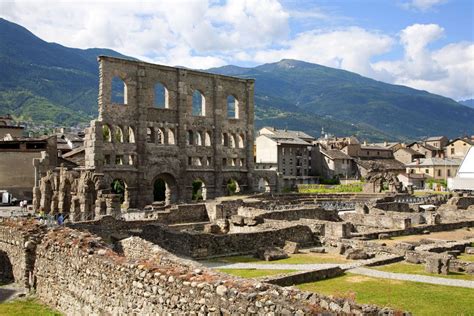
column 388, row 164
column 429, row 162
column 334, row 154
column 283, row 133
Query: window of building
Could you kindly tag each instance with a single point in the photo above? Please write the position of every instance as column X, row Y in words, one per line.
column 199, row 104
column 107, row 159
column 439, row 173
column 224, row 161
column 161, row 96
column 427, row 171
column 449, row 172
column 232, row 107
column 119, row 160
column 119, row 91
column 452, row 151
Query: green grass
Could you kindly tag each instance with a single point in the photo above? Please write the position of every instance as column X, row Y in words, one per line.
column 410, row 268
column 254, row 273
column 321, row 188
column 300, row 258
column 465, row 257
column 26, row 307
column 418, row 298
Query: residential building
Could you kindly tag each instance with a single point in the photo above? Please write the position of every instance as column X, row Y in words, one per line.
column 332, row 163
column 17, row 172
column 429, row 151
column 8, row 129
column 464, row 179
column 435, row 168
column 417, row 180
column 438, row 142
column 407, row 155
column 458, row 148
column 288, row 152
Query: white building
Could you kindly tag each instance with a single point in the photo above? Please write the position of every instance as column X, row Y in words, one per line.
column 464, row 179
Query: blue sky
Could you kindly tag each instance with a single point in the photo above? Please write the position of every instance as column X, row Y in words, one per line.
column 425, row 44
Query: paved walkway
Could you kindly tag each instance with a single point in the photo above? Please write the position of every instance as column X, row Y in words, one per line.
column 412, row 277
column 352, row 267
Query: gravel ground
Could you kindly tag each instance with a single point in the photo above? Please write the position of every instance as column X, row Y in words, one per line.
column 412, row 277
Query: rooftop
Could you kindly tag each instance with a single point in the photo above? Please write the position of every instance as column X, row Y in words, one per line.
column 430, row 162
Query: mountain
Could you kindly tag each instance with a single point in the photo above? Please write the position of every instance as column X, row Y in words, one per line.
column 44, row 81
column 468, row 102
column 51, row 83
column 333, row 96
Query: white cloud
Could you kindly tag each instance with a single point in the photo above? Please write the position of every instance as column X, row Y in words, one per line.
column 349, row 48
column 422, row 5
column 210, row 33
column 447, row 71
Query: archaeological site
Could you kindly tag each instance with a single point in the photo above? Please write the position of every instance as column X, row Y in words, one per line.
column 168, row 205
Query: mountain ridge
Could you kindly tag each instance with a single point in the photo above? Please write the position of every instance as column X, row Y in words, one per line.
column 49, row 82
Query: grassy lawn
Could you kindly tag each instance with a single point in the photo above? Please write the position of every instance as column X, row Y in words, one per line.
column 26, row 308
column 253, row 273
column 418, row 298
column 465, row 257
column 322, row 188
column 299, row 258
column 410, row 268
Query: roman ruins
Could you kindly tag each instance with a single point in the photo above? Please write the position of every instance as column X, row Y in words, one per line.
column 137, row 242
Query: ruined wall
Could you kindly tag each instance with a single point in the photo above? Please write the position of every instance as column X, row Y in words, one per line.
column 18, row 249
column 76, row 274
column 379, row 221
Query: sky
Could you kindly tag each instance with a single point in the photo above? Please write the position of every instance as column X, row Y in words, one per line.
column 424, row 44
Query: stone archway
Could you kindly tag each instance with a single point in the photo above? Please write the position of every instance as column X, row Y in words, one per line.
column 6, row 269
column 232, row 187
column 199, row 190
column 263, row 185
column 164, row 188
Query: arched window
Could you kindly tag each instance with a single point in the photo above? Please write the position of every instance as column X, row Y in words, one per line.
column 106, row 133
column 199, row 104
column 171, row 140
column 240, row 141
column 190, row 139
column 232, row 107
column 118, row 136
column 161, row 96
column 160, row 136
column 150, row 135
column 131, row 135
column 207, row 139
column 231, row 141
column 197, row 139
column 225, row 139
column 119, row 91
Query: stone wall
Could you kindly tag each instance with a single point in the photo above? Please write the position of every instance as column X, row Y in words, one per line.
column 18, row 248
column 176, row 214
column 378, row 220
column 305, row 276
column 77, row 274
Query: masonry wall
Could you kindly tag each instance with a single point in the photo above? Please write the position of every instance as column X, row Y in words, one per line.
column 77, row 275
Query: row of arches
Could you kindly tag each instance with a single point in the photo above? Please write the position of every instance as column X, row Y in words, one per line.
column 161, row 98
column 232, row 140
column 198, row 138
column 160, row 136
column 118, row 134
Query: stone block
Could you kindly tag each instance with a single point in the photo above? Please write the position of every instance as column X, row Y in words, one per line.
column 237, row 220
column 469, row 250
column 271, row 254
column 291, row 247
column 212, row 229
column 318, row 250
column 437, row 265
column 384, row 236
column 357, row 254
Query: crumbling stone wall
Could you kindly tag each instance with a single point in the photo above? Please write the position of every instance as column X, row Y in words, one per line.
column 18, row 241
column 77, row 274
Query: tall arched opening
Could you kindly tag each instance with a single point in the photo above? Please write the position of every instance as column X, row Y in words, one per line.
column 164, row 188
column 6, row 269
column 232, row 187
column 263, row 185
column 199, row 190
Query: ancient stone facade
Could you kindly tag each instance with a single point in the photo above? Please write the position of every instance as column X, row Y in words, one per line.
column 174, row 127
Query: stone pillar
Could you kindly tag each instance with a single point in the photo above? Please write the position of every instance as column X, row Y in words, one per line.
column 113, row 205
